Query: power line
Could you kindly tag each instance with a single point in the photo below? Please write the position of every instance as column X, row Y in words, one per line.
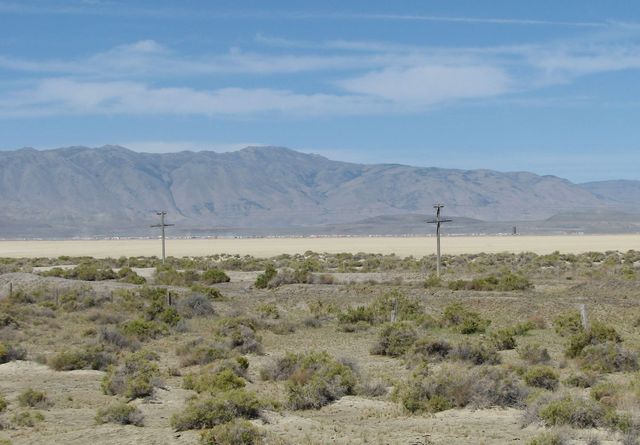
column 162, row 225
column 438, row 221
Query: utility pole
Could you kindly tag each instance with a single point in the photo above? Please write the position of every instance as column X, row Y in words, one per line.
column 438, row 221
column 162, row 225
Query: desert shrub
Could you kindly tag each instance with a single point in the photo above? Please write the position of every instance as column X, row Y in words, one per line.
column 579, row 380
column 598, row 333
column 541, row 377
column 211, row 293
column 394, row 339
column 85, row 271
column 195, row 305
column 314, row 379
column 240, row 334
column 262, row 282
column 10, row 353
column 167, row 275
column 605, row 390
column 218, row 409
column 27, row 418
column 120, row 413
column 128, row 275
column 268, row 310
column 432, row 281
column 7, row 320
column 533, row 354
column 371, row 389
column 458, row 386
column 322, row 309
column 503, row 339
column 406, row 308
column 197, row 352
column 142, row 330
column 608, row 357
column 282, row 327
column 574, row 411
column 475, row 352
column 548, row 438
column 236, row 432
column 88, row 357
column 431, row 349
column 358, row 314
column 568, row 324
column 116, row 339
column 505, row 282
column 464, row 320
column 214, row 276
column 3, row 403
column 136, row 377
column 213, row 381
column 34, row 399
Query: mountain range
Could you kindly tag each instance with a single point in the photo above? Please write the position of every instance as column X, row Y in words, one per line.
column 106, row 191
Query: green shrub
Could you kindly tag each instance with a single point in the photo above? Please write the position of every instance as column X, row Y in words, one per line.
column 475, row 352
column 394, row 339
column 218, row 409
column 568, row 324
column 533, row 354
column 128, row 275
column 580, row 380
column 120, row 413
column 143, row 329
column 213, row 381
column 196, row 352
column 10, row 353
column 505, row 282
column 3, row 403
column 239, row 333
column 314, row 379
column 432, row 281
column 262, row 282
column 503, row 339
column 542, row 377
column 136, row 377
column 358, row 314
column 464, row 320
column 268, row 310
column 236, row 432
column 431, row 349
column 548, row 438
column 406, row 308
column 598, row 333
column 454, row 386
column 89, row 357
column 576, row 412
column 214, row 276
column 608, row 357
column 210, row 292
column 27, row 418
column 34, row 399
column 195, row 305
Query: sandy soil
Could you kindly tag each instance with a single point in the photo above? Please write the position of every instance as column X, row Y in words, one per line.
column 266, row 247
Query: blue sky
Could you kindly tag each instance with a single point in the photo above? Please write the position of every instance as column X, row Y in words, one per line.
column 545, row 86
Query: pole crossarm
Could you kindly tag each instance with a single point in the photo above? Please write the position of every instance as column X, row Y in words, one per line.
column 438, row 222
column 162, row 225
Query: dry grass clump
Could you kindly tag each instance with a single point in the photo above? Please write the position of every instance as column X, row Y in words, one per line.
column 455, row 386
column 27, row 419
column 313, row 379
column 217, row 410
column 136, row 377
column 3, row 403
column 195, row 305
column 475, row 353
column 548, row 438
column 120, row 413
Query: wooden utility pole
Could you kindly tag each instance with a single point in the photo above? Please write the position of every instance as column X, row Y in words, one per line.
column 162, row 225
column 438, row 221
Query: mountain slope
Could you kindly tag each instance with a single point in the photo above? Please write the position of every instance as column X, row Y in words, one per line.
column 80, row 190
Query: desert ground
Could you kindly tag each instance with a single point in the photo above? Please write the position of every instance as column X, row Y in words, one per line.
column 267, row 247
column 321, row 348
